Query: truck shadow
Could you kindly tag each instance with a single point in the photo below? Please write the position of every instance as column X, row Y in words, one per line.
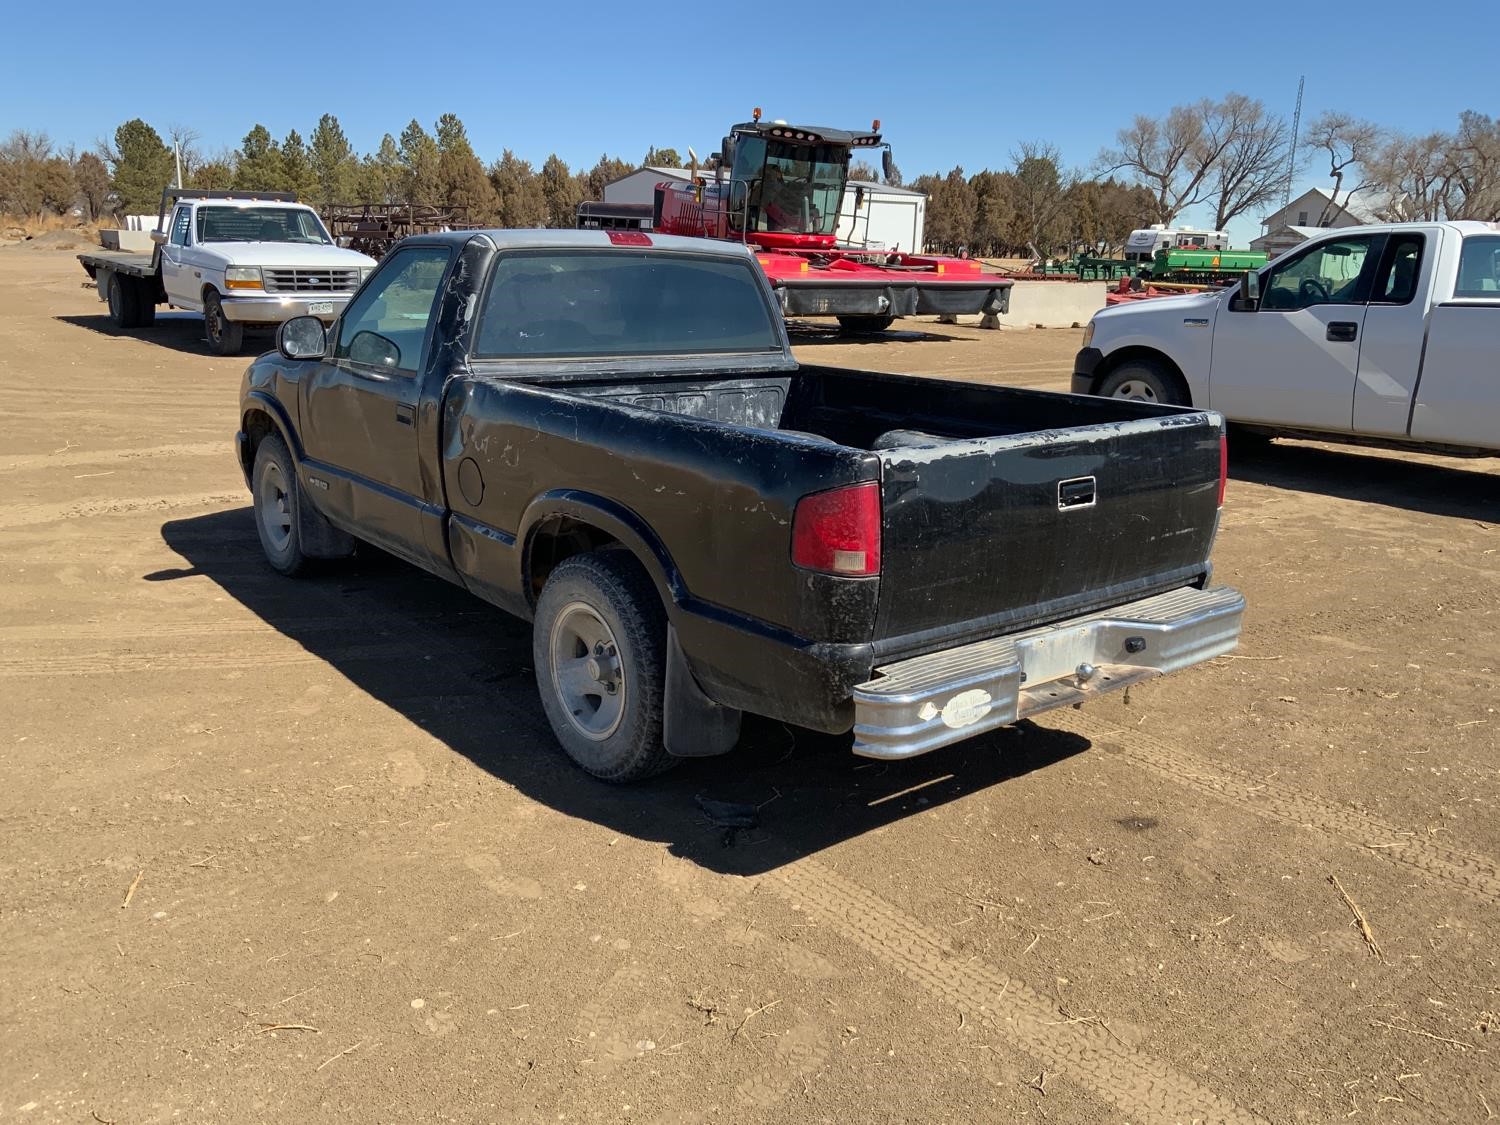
column 461, row 670
column 182, row 331
column 1400, row 481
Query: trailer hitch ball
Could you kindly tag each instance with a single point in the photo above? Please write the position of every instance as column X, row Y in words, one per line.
column 1085, row 672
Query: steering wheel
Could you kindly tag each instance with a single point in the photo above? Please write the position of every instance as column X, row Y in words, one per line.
column 1313, row 291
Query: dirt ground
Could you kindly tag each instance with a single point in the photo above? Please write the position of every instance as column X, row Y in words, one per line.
column 306, row 851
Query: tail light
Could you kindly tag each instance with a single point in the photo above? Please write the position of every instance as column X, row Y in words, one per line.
column 1223, row 465
column 838, row 532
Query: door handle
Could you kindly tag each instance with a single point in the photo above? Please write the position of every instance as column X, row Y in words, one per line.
column 405, row 413
column 1342, row 330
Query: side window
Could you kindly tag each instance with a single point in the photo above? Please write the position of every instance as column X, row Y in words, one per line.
column 1479, row 268
column 386, row 325
column 1328, row 274
column 1400, row 267
column 180, row 222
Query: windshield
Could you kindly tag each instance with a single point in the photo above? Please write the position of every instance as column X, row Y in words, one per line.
column 260, row 224
column 622, row 303
column 795, row 188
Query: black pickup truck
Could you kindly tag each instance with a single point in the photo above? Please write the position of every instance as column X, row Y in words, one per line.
column 606, row 433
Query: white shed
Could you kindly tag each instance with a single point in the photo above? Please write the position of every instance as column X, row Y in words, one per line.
column 640, row 186
column 888, row 218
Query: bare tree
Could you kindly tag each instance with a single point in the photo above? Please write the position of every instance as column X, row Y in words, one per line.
column 1476, row 176
column 1172, row 156
column 1350, row 145
column 1039, row 194
column 1416, row 177
column 1251, row 166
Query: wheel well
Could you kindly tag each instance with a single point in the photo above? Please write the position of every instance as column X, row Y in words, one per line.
column 258, row 426
column 207, row 289
column 1159, row 360
column 556, row 539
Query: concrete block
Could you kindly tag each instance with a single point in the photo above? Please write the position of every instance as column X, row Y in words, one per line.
column 130, row 241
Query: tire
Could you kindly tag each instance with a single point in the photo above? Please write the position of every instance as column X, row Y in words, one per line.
column 225, row 337
column 600, row 624
column 1142, row 381
column 864, row 325
column 274, row 500
column 120, row 303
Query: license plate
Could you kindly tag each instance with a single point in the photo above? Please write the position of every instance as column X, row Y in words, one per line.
column 319, row 308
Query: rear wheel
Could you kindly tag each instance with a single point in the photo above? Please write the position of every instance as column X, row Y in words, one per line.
column 225, row 337
column 1142, row 381
column 864, row 325
column 114, row 294
column 599, row 649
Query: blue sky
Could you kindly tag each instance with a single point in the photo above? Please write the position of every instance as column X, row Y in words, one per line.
column 951, row 84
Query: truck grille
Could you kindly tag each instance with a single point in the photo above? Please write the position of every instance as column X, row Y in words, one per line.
column 311, row 281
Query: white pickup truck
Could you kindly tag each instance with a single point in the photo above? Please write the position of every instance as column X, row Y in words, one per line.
column 241, row 259
column 1383, row 334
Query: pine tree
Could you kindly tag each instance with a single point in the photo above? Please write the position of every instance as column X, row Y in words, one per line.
column 465, row 187
column 420, row 184
column 333, row 163
column 522, row 203
column 297, row 169
column 561, row 193
column 259, row 166
column 142, row 167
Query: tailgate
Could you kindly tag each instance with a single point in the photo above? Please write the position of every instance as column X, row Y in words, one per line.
column 988, row 536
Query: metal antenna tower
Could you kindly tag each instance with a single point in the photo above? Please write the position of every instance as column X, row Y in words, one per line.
column 1291, row 160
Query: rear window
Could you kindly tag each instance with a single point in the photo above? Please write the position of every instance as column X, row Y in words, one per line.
column 622, row 303
column 1479, row 268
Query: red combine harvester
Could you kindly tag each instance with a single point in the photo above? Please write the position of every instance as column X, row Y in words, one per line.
column 779, row 188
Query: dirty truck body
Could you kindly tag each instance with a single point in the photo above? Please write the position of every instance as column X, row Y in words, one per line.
column 611, row 438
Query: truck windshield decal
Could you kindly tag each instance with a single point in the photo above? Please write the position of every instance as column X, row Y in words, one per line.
column 598, row 304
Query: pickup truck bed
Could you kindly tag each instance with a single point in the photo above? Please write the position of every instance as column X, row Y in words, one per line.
column 912, row 559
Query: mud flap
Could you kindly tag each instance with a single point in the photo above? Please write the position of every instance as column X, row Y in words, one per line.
column 319, row 538
column 694, row 726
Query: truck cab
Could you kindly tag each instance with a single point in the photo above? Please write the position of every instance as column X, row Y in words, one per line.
column 1374, row 333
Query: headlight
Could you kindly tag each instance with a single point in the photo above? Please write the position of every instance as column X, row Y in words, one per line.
column 1088, row 333
column 242, row 277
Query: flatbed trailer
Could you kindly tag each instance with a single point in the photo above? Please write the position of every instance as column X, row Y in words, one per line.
column 130, row 283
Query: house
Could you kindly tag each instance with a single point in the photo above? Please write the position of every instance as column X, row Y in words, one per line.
column 1298, row 220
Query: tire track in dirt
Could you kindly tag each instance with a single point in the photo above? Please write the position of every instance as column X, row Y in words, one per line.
column 1474, row 874
column 253, row 626
column 24, row 515
column 1085, row 1052
column 73, row 458
column 118, row 663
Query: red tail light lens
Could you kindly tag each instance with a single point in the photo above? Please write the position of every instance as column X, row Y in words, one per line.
column 838, row 532
column 1223, row 465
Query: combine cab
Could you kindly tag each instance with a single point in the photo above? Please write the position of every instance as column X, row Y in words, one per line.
column 779, row 188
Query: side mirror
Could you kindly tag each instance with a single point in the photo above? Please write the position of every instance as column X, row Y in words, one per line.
column 372, row 349
column 859, row 196
column 159, row 237
column 887, row 163
column 1250, row 292
column 343, row 240
column 302, row 337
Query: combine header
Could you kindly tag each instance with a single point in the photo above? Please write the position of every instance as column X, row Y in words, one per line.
column 779, row 188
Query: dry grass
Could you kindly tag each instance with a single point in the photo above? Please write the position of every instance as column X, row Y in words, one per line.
column 34, row 225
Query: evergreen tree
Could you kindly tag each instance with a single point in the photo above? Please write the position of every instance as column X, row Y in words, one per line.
column 421, row 185
column 333, row 163
column 522, row 203
column 297, row 169
column 561, row 193
column 259, row 166
column 661, row 158
column 466, row 188
column 142, row 167
column 93, row 185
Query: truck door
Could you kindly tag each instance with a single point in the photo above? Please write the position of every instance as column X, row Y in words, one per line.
column 360, row 424
column 176, row 277
column 1293, row 360
column 1457, row 400
column 1390, row 353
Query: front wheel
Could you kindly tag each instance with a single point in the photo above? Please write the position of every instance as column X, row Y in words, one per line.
column 864, row 325
column 1142, row 381
column 599, row 649
column 274, row 496
column 225, row 336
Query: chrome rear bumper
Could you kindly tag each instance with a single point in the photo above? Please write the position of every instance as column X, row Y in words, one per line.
column 929, row 701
